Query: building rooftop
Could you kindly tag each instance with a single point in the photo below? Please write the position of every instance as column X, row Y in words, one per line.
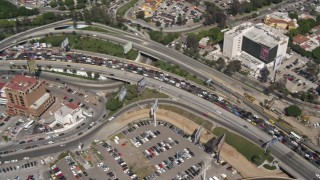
column 299, row 39
column 2, row 85
column 21, row 83
column 64, row 111
column 40, row 101
column 263, row 35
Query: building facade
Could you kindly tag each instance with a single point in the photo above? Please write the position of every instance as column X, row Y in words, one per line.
column 68, row 115
column 258, row 40
column 27, row 96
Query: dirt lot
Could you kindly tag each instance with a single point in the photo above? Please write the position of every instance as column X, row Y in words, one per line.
column 246, row 168
column 135, row 160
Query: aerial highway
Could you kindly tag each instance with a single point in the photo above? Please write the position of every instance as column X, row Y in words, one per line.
column 294, row 164
column 161, row 52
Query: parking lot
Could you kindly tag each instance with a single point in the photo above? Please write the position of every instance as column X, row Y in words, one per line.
column 163, row 152
column 25, row 169
column 167, row 12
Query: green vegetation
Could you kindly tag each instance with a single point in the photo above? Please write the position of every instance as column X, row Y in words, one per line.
column 71, row 75
column 113, row 104
column 124, row 8
column 175, row 69
column 132, row 96
column 92, row 28
column 248, row 6
column 197, row 119
column 163, row 38
column 293, row 110
column 249, row 150
column 61, row 156
column 305, row 25
column 8, row 10
column 95, row 151
column 92, row 45
column 267, row 166
column 214, row 34
column 5, row 138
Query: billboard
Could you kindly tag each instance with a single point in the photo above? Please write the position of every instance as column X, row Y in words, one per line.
column 264, row 53
column 155, row 106
column 127, row 47
column 65, row 45
column 31, row 63
column 277, row 63
column 123, row 93
column 141, row 85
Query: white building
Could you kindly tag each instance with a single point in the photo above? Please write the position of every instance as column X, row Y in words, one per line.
column 261, row 42
column 68, row 114
column 3, row 98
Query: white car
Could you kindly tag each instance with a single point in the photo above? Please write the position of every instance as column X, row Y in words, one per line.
column 50, row 142
column 25, row 158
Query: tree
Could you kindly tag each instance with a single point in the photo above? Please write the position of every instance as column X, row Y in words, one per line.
column 312, row 69
column 53, row 4
column 232, row 67
column 65, row 70
column 292, row 110
column 179, row 20
column 74, row 71
column 49, row 66
column 192, row 41
column 293, row 15
column 221, row 64
column 89, row 74
column 96, row 75
column 264, row 73
column 113, row 104
column 158, row 23
column 257, row 3
column 257, row 160
column 69, row 2
column 216, row 34
column 234, row 7
column 316, row 55
column 140, row 15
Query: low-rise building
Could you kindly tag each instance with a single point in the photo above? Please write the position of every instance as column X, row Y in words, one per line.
column 280, row 21
column 203, row 43
column 68, row 114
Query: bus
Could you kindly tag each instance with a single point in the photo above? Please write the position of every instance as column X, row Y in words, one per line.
column 296, row 136
column 29, row 124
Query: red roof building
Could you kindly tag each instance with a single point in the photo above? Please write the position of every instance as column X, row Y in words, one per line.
column 72, row 106
column 300, row 39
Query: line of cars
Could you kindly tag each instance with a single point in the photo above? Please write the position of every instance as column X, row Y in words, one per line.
column 160, row 147
column 117, row 156
column 144, row 137
column 18, row 167
column 173, row 161
column 55, row 173
column 74, row 167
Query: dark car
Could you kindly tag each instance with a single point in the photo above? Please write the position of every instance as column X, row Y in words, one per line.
column 85, row 173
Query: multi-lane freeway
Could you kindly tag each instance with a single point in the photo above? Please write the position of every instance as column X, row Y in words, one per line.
column 295, row 164
column 290, row 163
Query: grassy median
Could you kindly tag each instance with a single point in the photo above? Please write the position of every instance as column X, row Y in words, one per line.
column 90, row 44
column 124, row 8
column 248, row 149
